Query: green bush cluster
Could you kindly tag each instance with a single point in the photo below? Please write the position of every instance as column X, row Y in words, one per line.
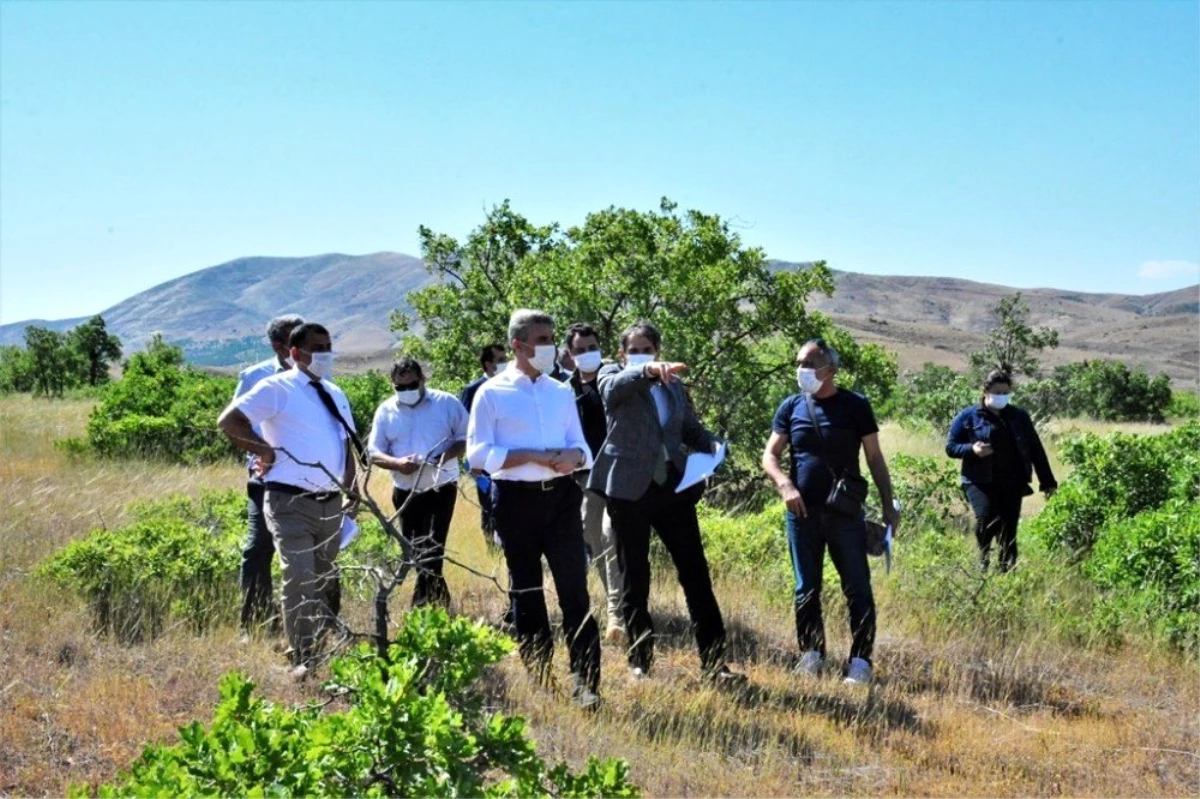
column 176, row 562
column 164, row 409
column 1128, row 516
column 1099, row 389
column 412, row 726
column 1115, row 478
column 160, row 409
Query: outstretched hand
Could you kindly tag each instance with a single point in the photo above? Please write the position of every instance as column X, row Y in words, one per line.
column 664, row 370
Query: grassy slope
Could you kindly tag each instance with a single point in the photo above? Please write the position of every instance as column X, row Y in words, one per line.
column 951, row 714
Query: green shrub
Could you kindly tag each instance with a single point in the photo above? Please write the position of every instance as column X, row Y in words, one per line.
column 1184, row 405
column 413, row 726
column 1149, row 567
column 176, row 562
column 751, row 546
column 365, row 392
column 931, row 398
column 159, row 409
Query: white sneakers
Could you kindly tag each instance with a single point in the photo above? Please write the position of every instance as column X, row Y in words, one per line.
column 811, row 664
column 859, row 672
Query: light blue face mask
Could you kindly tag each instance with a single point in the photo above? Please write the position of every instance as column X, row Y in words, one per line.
column 639, row 359
column 997, row 402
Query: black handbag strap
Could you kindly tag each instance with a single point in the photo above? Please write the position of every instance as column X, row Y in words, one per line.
column 812, row 415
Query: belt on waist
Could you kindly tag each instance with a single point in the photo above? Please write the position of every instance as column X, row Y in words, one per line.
column 539, row 485
column 297, row 491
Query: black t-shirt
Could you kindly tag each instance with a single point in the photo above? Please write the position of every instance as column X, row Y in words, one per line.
column 845, row 417
column 591, row 412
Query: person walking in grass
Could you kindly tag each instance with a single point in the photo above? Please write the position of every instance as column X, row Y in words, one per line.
column 1000, row 451
column 824, row 428
column 308, row 445
column 258, row 550
column 418, row 435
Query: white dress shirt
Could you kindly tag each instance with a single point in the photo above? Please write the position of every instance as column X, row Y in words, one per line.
column 428, row 428
column 288, row 410
column 513, row 412
column 249, row 377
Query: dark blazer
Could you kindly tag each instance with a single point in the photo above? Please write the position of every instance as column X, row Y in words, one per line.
column 467, row 395
column 976, row 423
column 626, row 462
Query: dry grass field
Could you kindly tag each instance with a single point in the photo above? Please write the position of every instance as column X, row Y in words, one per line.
column 951, row 714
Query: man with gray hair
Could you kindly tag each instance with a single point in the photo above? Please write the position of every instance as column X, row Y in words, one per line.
column 524, row 431
column 258, row 593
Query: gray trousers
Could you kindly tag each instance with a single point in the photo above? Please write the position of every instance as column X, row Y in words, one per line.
column 602, row 549
column 307, row 536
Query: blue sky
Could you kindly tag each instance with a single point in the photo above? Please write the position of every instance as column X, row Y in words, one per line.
column 1025, row 143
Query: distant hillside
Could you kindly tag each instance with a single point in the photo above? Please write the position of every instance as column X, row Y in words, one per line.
column 218, row 314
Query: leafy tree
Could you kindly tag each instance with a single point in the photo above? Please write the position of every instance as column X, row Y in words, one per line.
column 1099, row 389
column 932, row 397
column 53, row 363
column 97, row 348
column 735, row 322
column 1013, row 345
column 16, row 369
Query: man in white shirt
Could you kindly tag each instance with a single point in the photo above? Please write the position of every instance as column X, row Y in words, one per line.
column 258, row 594
column 303, row 452
column 418, row 435
column 525, row 432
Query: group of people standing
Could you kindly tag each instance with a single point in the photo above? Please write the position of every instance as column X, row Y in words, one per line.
column 580, row 462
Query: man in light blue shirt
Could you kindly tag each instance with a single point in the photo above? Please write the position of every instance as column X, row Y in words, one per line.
column 258, row 593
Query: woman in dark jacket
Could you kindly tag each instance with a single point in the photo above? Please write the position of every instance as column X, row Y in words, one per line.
column 1000, row 450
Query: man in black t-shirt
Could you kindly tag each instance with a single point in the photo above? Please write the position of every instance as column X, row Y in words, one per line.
column 846, row 424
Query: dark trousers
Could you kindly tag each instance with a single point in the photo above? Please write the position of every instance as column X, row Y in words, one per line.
column 426, row 523
column 846, row 540
column 258, row 550
column 997, row 514
column 673, row 517
column 537, row 520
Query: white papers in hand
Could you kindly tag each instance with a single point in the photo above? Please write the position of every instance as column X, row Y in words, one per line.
column 887, row 549
column 700, row 466
column 349, row 532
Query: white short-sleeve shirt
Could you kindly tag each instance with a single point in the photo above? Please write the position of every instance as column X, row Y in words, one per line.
column 291, row 416
column 426, row 429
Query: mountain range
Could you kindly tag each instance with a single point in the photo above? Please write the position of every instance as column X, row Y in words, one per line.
column 218, row 314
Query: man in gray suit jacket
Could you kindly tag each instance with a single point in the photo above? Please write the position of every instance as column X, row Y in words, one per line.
column 650, row 421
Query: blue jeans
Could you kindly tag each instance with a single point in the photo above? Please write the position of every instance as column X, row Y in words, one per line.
column 846, row 539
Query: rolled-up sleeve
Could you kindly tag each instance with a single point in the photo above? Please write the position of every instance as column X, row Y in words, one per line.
column 482, row 450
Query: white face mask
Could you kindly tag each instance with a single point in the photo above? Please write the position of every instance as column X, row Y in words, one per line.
column 808, row 380
column 322, row 365
column 410, row 397
column 639, row 359
column 588, row 361
column 543, row 358
column 997, row 402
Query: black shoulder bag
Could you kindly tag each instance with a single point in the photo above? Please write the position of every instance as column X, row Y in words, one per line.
column 849, row 490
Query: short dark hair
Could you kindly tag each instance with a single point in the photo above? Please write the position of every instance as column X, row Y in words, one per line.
column 642, row 328
column 301, row 333
column 488, row 354
column 997, row 376
column 832, row 355
column 406, row 364
column 579, row 329
column 281, row 327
